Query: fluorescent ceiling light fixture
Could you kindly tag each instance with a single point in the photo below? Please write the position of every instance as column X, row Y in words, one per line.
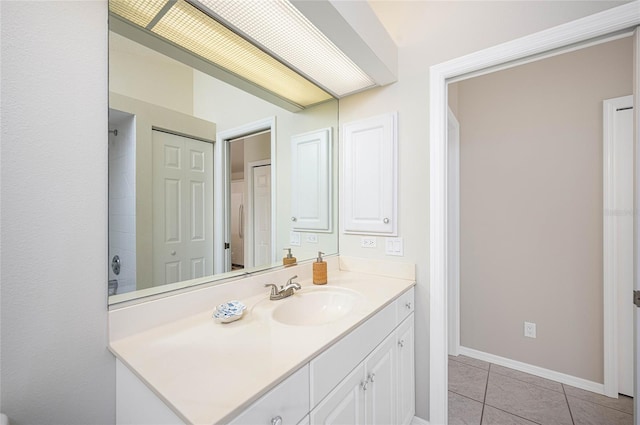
column 282, row 30
column 186, row 26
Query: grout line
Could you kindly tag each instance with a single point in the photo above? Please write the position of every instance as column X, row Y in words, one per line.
column 513, row 414
column 484, row 400
column 568, row 405
column 465, row 396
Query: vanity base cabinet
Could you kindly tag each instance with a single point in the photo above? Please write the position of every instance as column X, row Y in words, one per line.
column 365, row 378
column 381, row 388
column 406, row 371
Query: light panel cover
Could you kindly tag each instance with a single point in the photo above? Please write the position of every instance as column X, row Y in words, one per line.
column 295, row 40
column 140, row 12
column 186, row 26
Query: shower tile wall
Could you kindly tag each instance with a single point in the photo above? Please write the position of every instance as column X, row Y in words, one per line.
column 122, row 202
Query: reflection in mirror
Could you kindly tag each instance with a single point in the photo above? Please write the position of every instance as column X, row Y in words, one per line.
column 195, row 195
column 250, row 204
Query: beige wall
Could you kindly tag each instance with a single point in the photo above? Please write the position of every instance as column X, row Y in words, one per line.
column 531, row 207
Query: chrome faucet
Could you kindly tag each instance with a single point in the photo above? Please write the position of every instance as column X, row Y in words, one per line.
column 284, row 291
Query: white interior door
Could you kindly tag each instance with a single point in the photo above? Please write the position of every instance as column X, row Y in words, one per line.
column 183, row 208
column 623, row 216
column 237, row 223
column 618, row 239
column 261, row 215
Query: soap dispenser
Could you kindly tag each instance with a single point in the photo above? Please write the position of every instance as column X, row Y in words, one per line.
column 289, row 259
column 320, row 270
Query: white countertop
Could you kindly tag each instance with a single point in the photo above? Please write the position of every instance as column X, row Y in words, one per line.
column 208, row 373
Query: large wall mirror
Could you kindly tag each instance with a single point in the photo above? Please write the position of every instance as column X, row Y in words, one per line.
column 200, row 176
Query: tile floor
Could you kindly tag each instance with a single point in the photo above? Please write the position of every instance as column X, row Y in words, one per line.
column 482, row 393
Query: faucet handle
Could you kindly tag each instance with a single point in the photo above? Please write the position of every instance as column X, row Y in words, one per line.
column 290, row 281
column 274, row 288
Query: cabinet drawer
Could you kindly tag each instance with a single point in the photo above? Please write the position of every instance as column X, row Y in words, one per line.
column 330, row 367
column 405, row 305
column 289, row 400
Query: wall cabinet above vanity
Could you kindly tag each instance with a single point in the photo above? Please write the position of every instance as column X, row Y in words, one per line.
column 369, row 191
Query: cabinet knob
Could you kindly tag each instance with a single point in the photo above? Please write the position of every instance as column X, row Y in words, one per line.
column 401, row 343
column 277, row 420
column 408, row 305
column 385, row 221
column 294, row 219
column 364, row 385
column 372, row 377
column 173, row 253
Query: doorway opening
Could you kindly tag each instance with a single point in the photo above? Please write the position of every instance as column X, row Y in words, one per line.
column 251, row 199
column 609, row 23
column 245, row 194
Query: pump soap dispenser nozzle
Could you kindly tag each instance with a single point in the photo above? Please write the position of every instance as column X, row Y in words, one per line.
column 289, row 259
column 320, row 270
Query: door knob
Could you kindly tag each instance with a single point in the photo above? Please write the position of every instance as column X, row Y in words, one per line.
column 115, row 265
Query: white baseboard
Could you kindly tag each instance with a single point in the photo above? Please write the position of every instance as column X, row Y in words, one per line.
column 534, row 370
column 419, row 421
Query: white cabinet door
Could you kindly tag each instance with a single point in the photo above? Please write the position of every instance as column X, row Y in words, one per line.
column 345, row 404
column 311, row 181
column 406, row 372
column 370, row 176
column 380, row 394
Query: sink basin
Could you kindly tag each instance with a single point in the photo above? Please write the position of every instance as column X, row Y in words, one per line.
column 317, row 306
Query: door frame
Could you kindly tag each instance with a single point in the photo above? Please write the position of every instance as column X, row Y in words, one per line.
column 585, row 31
column 222, row 188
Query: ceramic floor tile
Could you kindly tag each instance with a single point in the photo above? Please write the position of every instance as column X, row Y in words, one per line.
column 471, row 361
column 528, row 401
column 525, row 377
column 467, row 380
column 586, row 413
column 622, row 403
column 463, row 410
column 493, row 416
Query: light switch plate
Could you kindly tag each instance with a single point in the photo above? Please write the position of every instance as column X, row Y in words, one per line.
column 294, row 238
column 394, row 246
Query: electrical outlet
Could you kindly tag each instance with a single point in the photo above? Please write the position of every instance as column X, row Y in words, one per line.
column 368, row 242
column 312, row 238
column 529, row 329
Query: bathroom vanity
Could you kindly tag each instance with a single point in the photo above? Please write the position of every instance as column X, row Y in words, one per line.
column 337, row 353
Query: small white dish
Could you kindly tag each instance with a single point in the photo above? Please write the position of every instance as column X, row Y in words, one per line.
column 229, row 312
column 231, row 307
